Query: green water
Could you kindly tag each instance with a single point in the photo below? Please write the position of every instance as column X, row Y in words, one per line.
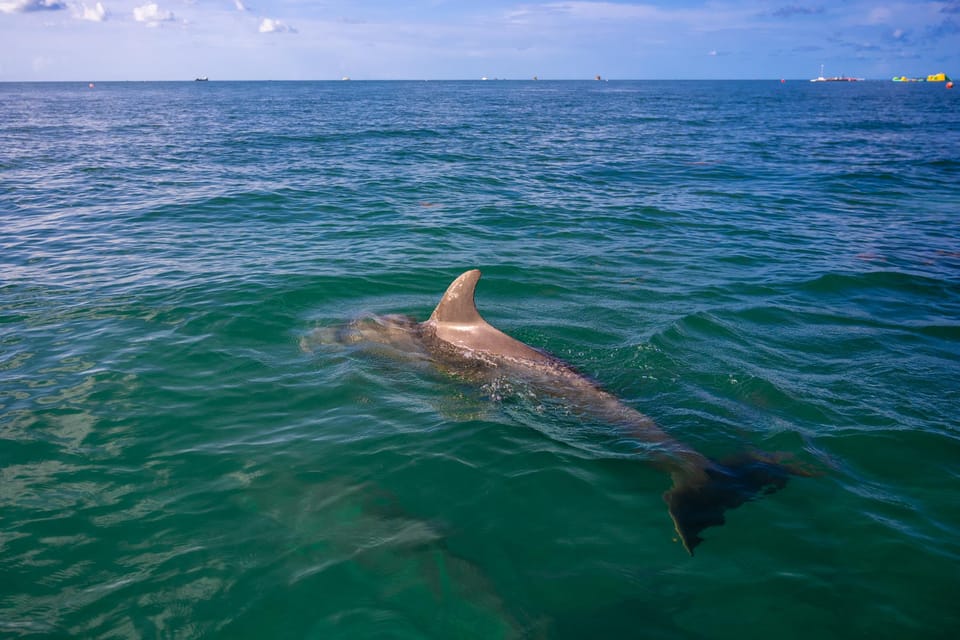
column 753, row 265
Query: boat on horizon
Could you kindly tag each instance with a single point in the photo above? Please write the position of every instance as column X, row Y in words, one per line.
column 201, row 79
column 821, row 78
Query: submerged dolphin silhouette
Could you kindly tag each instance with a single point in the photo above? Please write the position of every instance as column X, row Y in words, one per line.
column 457, row 338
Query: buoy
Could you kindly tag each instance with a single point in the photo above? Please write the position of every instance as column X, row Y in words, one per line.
column 783, row 81
column 90, row 85
column 950, row 85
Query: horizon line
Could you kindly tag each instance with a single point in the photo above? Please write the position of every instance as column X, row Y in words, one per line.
column 347, row 79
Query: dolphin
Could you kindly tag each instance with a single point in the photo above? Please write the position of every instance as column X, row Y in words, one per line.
column 456, row 338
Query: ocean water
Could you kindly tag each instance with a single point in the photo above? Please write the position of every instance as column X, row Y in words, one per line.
column 755, row 265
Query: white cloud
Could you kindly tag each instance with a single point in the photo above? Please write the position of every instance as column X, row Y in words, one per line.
column 269, row 25
column 152, row 14
column 651, row 18
column 40, row 63
column 606, row 10
column 582, row 11
column 25, row 6
column 240, row 6
column 96, row 13
column 879, row 15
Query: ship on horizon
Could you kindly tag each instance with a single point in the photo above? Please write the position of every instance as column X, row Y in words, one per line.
column 821, row 78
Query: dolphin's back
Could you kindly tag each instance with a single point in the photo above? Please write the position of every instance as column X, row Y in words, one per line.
column 703, row 489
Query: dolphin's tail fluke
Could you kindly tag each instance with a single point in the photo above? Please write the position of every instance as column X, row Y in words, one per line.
column 698, row 501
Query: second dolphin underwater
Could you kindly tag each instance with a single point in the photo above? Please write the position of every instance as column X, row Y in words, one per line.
column 456, row 338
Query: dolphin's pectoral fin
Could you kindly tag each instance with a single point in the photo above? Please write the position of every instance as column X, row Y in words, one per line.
column 695, row 505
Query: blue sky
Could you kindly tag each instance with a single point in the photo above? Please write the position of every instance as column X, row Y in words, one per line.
column 90, row 40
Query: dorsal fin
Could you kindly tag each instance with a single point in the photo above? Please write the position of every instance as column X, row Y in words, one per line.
column 457, row 305
column 457, row 322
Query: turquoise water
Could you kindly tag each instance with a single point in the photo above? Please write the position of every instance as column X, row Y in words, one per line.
column 752, row 264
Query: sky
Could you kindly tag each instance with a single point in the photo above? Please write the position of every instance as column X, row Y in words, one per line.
column 91, row 40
